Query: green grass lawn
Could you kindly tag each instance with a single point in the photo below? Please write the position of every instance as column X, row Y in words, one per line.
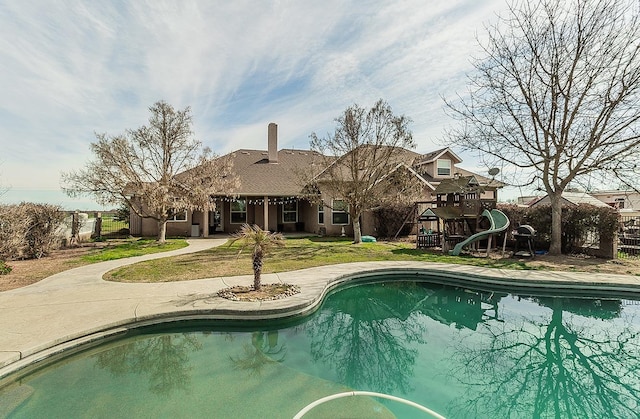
column 298, row 253
column 133, row 248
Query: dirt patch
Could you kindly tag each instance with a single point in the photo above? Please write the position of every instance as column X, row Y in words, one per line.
column 27, row 272
column 584, row 263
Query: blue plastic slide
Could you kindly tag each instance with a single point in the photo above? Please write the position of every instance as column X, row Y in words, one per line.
column 499, row 223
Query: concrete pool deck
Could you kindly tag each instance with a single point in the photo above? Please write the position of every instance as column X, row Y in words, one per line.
column 75, row 307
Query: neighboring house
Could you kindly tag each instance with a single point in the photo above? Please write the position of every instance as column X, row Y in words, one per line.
column 571, row 198
column 625, row 201
column 271, row 194
column 527, row 200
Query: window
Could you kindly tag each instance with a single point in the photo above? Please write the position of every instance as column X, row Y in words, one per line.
column 290, row 212
column 239, row 211
column 444, row 167
column 339, row 214
column 321, row 213
column 178, row 216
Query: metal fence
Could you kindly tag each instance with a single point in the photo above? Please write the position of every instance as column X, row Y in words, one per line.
column 112, row 226
column 629, row 237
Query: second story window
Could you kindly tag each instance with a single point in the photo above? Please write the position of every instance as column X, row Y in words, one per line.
column 444, row 167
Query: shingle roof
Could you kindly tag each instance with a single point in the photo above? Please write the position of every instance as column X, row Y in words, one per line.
column 258, row 177
column 398, row 155
column 433, row 155
column 574, row 198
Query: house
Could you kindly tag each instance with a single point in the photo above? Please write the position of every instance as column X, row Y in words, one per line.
column 626, row 201
column 272, row 195
column 269, row 195
column 571, row 198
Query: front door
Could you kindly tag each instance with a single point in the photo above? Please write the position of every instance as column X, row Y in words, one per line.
column 216, row 219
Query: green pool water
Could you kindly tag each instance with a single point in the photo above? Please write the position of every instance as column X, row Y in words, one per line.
column 461, row 352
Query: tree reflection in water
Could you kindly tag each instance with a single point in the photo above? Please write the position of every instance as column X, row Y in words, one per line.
column 164, row 359
column 555, row 367
column 367, row 339
column 263, row 350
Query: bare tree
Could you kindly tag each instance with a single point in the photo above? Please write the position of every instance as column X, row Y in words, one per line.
column 553, row 366
column 557, row 95
column 365, row 339
column 366, row 150
column 159, row 170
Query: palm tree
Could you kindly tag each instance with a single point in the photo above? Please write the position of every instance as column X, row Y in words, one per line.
column 260, row 241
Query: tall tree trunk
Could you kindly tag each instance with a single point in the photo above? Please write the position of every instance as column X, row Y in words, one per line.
column 556, row 223
column 357, row 234
column 162, row 231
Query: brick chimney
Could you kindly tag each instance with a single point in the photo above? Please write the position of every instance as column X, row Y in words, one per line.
column 273, row 143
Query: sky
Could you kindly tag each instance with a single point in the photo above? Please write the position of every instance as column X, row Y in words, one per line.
column 71, row 69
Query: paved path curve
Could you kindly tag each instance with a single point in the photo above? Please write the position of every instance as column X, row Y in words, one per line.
column 76, row 306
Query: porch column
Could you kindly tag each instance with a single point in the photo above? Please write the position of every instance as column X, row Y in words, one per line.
column 205, row 221
column 266, row 213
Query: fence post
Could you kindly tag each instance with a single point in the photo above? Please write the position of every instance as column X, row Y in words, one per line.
column 75, row 228
column 97, row 228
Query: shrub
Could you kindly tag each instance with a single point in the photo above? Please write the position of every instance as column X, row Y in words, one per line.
column 29, row 230
column 582, row 225
column 4, row 268
column 389, row 218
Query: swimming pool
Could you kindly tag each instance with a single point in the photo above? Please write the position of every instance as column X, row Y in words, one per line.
column 461, row 352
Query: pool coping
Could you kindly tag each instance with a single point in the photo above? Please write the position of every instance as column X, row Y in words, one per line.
column 78, row 308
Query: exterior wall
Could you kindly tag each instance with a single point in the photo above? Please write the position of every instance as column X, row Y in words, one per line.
column 179, row 228
column 308, row 214
column 147, row 227
column 489, row 194
column 255, row 214
column 431, row 168
column 627, row 200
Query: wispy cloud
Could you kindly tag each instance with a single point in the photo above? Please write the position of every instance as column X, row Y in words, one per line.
column 69, row 69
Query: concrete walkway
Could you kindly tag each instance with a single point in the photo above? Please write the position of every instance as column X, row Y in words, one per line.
column 76, row 306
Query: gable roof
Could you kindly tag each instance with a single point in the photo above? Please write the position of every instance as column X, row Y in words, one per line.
column 399, row 154
column 257, row 177
column 435, row 155
column 416, row 175
column 572, row 198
